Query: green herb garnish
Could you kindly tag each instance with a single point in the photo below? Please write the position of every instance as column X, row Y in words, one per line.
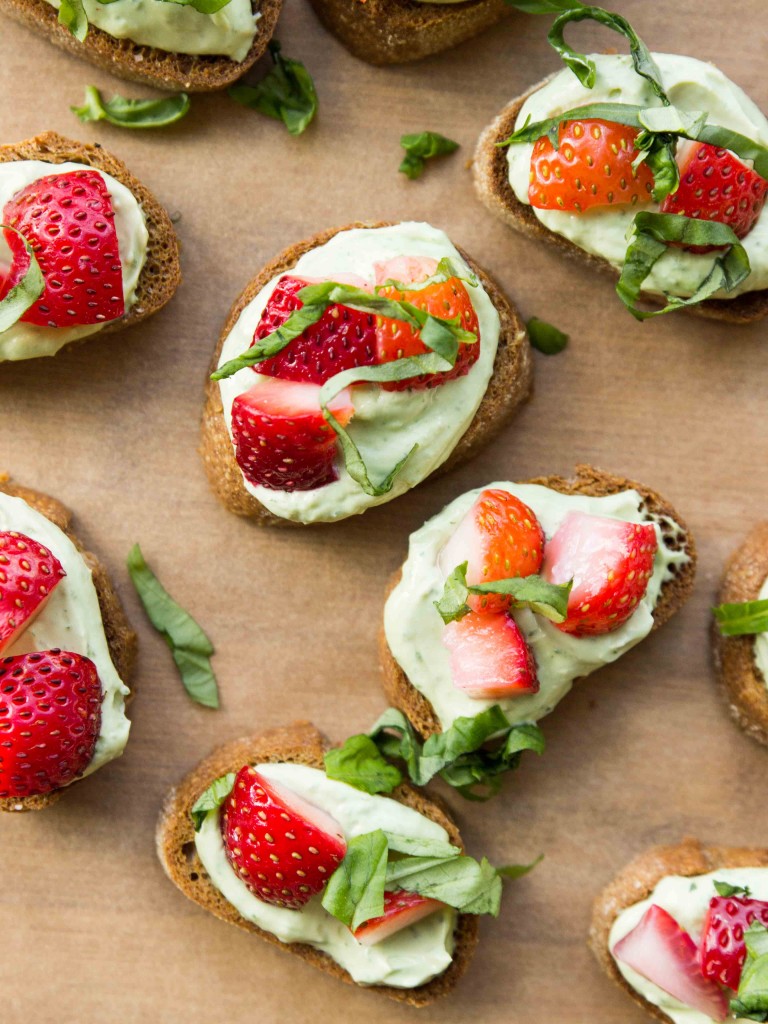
column 213, row 797
column 745, row 619
column 287, row 93
column 419, row 148
column 72, row 13
column 726, row 889
column 24, row 294
column 128, row 113
column 544, row 598
column 751, row 1002
column 546, row 337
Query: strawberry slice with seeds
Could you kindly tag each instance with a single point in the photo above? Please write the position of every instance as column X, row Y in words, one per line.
column 29, row 573
column 663, row 953
column 722, row 951
column 281, row 439
column 592, row 166
column 610, row 562
column 489, row 657
column 401, row 909
column 716, row 185
column 50, row 716
column 69, row 221
column 282, row 847
column 499, row 537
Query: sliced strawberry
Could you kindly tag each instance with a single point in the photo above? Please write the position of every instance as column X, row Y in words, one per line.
column 283, row 848
column 610, row 562
column 722, row 951
column 592, row 166
column 341, row 339
column 716, row 185
column 401, row 909
column 664, row 954
column 50, row 716
column 489, row 657
column 499, row 537
column 69, row 221
column 281, row 439
column 29, row 572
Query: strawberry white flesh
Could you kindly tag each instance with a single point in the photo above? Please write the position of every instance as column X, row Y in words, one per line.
column 663, row 953
column 401, row 909
column 489, row 657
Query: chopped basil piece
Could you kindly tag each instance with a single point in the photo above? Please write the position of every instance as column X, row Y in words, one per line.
column 72, row 16
column 190, row 647
column 751, row 1000
column 544, row 6
column 421, row 147
column 24, row 294
column 355, row 891
column 421, row 847
column 546, row 337
column 513, row 871
column 287, row 93
column 128, row 113
column 212, row 798
column 470, row 886
column 745, row 619
column 544, row 598
column 360, row 763
column 726, row 889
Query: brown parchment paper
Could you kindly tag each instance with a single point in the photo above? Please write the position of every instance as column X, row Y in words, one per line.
column 643, row 752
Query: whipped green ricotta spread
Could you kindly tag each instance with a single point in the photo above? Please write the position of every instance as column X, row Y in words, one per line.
column 386, row 424
column 414, row 628
column 761, row 641
column 166, row 25
column 71, row 620
column 687, row 900
column 691, row 85
column 406, row 959
column 27, row 341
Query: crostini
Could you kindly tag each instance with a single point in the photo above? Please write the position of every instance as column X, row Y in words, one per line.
column 67, row 652
column 650, row 167
column 105, row 252
column 385, row 329
column 683, row 930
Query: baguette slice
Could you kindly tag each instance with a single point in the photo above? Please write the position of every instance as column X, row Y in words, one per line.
column 121, row 639
column 128, row 60
column 492, row 185
column 396, row 31
column 588, row 480
column 299, row 743
column 509, row 387
column 743, row 686
column 638, row 880
column 161, row 273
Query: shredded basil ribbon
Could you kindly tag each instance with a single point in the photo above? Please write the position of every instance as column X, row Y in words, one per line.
column 72, row 14
column 190, row 647
column 743, row 619
column 213, row 797
column 419, row 148
column 24, row 294
column 546, row 338
column 751, row 1002
column 726, row 889
column 286, row 94
column 129, row 113
column 544, row 598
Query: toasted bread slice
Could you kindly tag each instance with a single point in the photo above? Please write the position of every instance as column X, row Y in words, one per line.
column 128, row 60
column 396, row 31
column 509, row 386
column 638, row 880
column 588, row 480
column 492, row 185
column 122, row 640
column 161, row 273
column 300, row 743
column 743, row 686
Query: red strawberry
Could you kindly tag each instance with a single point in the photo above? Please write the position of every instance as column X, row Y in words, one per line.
column 499, row 537
column 28, row 575
column 401, row 909
column 722, row 951
column 69, row 221
column 283, row 848
column 281, row 439
column 659, row 950
column 610, row 562
column 592, row 166
column 716, row 185
column 341, row 338
column 50, row 716
column 489, row 657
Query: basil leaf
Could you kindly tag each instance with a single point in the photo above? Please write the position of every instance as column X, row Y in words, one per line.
column 445, row 272
column 128, row 113
column 752, row 997
column 355, row 891
column 396, row 738
column 295, row 325
column 546, row 337
column 544, row 598
column 201, row 6
column 452, row 604
column 742, row 1012
column 359, row 763
column 755, row 937
column 513, row 871
column 673, row 120
column 544, row 6
column 421, row 847
column 287, row 93
column 461, row 882
column 190, row 647
column 743, row 619
column 212, row 798
column 72, row 16
column 421, row 147
column 24, row 294
column 726, row 889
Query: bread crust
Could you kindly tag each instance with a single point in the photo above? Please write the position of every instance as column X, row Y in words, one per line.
column 396, row 31
column 509, row 387
column 161, row 274
column 128, row 60
column 637, row 881
column 743, row 687
column 490, row 170
column 590, row 481
column 121, row 639
column 299, row 743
